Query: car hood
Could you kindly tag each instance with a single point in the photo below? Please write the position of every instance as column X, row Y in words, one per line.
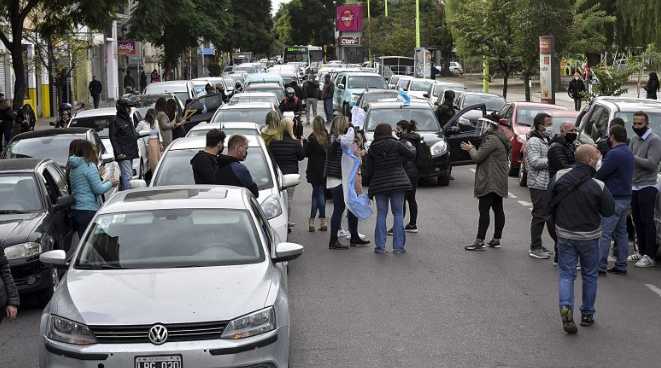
column 176, row 295
column 417, row 94
column 17, row 228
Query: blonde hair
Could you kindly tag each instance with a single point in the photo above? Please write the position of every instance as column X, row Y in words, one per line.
column 288, row 127
column 273, row 120
column 340, row 125
column 319, row 130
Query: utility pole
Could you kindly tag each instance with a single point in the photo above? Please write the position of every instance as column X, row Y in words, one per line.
column 369, row 32
column 386, row 4
column 417, row 23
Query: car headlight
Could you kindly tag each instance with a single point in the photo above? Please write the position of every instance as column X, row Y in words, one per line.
column 253, row 324
column 271, row 207
column 69, row 332
column 24, row 250
column 439, row 148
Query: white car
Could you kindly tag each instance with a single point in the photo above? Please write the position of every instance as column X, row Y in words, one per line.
column 249, row 97
column 184, row 90
column 456, row 68
column 175, row 169
column 182, row 276
column 253, row 112
column 99, row 120
column 230, row 129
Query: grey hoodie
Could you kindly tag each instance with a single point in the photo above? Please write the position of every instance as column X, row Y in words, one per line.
column 647, row 155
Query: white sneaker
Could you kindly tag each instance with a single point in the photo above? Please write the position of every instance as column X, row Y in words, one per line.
column 361, row 236
column 645, row 262
column 343, row 234
column 634, row 257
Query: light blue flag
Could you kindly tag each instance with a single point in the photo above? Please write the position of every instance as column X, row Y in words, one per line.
column 404, row 97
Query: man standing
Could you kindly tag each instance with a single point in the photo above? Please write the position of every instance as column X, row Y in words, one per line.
column 129, row 82
column 95, row 88
column 575, row 89
column 646, row 148
column 578, row 203
column 231, row 171
column 312, row 93
column 446, row 110
column 124, row 140
column 538, row 180
column 205, row 163
column 155, row 77
column 617, row 172
column 327, row 95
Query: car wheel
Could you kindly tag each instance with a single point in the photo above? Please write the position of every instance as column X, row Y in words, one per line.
column 523, row 177
column 45, row 295
column 444, row 179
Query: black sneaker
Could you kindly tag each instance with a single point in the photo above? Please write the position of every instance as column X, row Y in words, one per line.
column 617, row 271
column 568, row 321
column 411, row 228
column 359, row 243
column 494, row 243
column 587, row 320
column 477, row 246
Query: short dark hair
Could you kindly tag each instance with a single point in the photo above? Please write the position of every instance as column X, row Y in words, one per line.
column 617, row 122
column 619, row 133
column 215, row 137
column 642, row 113
column 539, row 119
column 236, row 140
column 382, row 130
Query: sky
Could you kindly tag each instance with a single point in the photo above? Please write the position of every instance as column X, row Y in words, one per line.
column 275, row 5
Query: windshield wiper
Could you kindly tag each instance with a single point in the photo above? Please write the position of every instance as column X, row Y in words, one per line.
column 105, row 266
column 12, row 212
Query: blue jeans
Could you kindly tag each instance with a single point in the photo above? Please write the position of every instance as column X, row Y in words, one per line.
column 318, row 201
column 126, row 172
column 569, row 251
column 328, row 109
column 615, row 228
column 396, row 200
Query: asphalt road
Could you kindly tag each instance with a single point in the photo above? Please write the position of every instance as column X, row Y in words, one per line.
column 439, row 306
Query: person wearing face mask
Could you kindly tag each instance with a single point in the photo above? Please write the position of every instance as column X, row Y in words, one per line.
column 561, row 150
column 205, row 162
column 232, row 171
column 577, row 204
column 646, row 148
column 575, row 90
column 617, row 172
column 537, row 162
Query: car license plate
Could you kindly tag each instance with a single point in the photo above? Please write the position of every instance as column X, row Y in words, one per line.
column 161, row 361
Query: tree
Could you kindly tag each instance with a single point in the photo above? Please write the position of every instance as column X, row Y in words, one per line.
column 305, row 22
column 252, row 26
column 56, row 13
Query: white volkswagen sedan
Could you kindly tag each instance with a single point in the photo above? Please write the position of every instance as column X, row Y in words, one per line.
column 230, row 128
column 174, row 168
column 173, row 277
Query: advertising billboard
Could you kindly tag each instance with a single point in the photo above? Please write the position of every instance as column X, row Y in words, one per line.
column 127, row 47
column 546, row 46
column 349, row 18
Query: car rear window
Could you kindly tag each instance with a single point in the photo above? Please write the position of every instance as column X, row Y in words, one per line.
column 424, row 118
column 98, row 123
column 242, row 115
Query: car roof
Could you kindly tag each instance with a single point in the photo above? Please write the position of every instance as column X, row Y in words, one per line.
column 394, row 104
column 630, row 104
column 247, row 105
column 177, row 197
column 104, row 111
column 267, row 77
column 360, row 74
column 255, row 94
column 20, row 164
column 187, row 143
column 51, row 132
column 228, row 125
column 481, row 94
column 539, row 104
column 380, row 90
column 253, row 86
column 449, row 84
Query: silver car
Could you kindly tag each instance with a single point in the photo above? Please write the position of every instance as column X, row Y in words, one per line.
column 174, row 277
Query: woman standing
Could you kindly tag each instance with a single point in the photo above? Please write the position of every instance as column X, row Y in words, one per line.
column 154, row 147
column 407, row 134
column 490, row 182
column 315, row 150
column 85, row 183
column 273, row 128
column 287, row 152
column 171, row 108
column 164, row 123
column 388, row 182
column 652, row 86
column 9, row 298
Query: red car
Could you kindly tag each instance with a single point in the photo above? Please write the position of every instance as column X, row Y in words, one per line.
column 516, row 123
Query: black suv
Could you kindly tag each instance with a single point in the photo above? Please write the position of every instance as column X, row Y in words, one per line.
column 34, row 218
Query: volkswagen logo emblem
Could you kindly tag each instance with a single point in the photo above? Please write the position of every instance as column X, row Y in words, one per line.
column 158, row 334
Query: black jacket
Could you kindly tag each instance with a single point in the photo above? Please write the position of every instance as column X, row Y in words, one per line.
column 311, row 90
column 95, row 88
column 578, row 203
column 205, row 168
column 560, row 155
column 8, row 290
column 576, row 87
column 287, row 152
column 445, row 112
column 232, row 172
column 316, row 154
column 385, row 166
column 123, row 138
column 652, row 87
column 411, row 165
column 334, row 160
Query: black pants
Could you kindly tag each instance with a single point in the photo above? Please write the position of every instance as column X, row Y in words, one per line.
column 642, row 209
column 96, row 99
column 485, row 204
column 409, row 197
column 577, row 104
column 81, row 219
column 336, row 219
column 540, row 201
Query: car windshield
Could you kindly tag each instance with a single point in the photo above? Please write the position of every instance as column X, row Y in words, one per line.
column 243, row 115
column 175, row 168
column 424, row 118
column 171, row 238
column 19, row 193
column 357, row 82
column 525, row 116
column 403, row 83
column 55, row 147
column 420, row 85
column 98, row 123
column 372, row 97
column 654, row 119
column 493, row 103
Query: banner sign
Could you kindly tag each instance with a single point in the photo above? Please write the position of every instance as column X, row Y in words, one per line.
column 127, row 48
column 349, row 18
column 546, row 46
column 349, row 40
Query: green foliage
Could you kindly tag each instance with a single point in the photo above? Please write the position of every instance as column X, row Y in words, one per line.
column 611, row 79
column 588, row 30
column 252, row 26
column 637, row 22
column 304, row 22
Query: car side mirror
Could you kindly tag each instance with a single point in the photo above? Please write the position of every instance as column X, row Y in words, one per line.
column 63, row 202
column 290, row 181
column 285, row 252
column 505, row 123
column 54, row 258
column 107, row 158
column 137, row 183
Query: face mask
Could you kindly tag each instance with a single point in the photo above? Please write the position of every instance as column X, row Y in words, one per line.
column 571, row 137
column 640, row 131
column 546, row 133
column 597, row 166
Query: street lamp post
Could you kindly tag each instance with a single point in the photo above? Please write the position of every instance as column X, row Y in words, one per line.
column 386, row 4
column 369, row 32
column 417, row 23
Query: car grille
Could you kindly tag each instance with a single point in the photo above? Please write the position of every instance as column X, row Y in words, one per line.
column 176, row 332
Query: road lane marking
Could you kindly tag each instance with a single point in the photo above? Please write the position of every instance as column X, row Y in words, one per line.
column 525, row 204
column 654, row 289
column 472, row 170
column 511, row 195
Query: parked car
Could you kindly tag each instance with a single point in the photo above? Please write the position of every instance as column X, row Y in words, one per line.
column 438, row 91
column 267, row 87
column 230, row 128
column 350, row 85
column 374, row 95
column 160, row 248
column 143, row 103
column 456, row 68
column 264, row 78
column 34, row 218
column 394, row 80
column 420, row 87
column 254, row 112
column 214, row 81
column 404, row 82
column 249, row 97
column 175, row 169
column 492, row 103
column 184, row 90
column 391, row 112
column 100, row 119
column 517, row 122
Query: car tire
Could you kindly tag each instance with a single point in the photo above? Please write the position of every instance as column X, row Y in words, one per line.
column 444, row 179
column 523, row 177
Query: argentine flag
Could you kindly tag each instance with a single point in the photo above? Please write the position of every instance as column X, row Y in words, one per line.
column 404, row 97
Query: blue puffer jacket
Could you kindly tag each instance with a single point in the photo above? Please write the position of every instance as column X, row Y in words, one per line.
column 85, row 184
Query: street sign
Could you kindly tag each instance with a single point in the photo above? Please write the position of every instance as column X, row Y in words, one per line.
column 546, row 46
column 127, row 47
column 422, row 63
column 349, row 18
column 206, row 51
column 349, row 40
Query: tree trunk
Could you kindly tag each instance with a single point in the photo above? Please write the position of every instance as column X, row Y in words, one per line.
column 506, row 76
column 526, row 85
column 19, row 72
